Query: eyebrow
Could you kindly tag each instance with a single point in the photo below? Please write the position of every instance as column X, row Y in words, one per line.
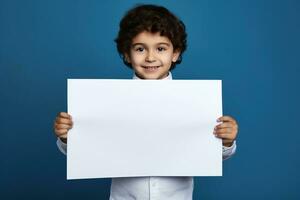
column 143, row 44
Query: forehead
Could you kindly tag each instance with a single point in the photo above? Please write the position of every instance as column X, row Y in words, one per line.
column 148, row 38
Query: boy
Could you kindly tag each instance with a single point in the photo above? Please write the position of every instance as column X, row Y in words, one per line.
column 151, row 41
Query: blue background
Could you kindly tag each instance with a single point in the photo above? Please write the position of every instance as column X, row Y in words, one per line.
column 252, row 45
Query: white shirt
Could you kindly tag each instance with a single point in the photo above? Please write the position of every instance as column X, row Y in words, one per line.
column 153, row 188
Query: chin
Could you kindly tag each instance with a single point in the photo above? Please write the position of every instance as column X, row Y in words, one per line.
column 151, row 77
column 151, row 74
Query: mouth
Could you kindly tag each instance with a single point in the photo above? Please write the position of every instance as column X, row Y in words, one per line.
column 151, row 68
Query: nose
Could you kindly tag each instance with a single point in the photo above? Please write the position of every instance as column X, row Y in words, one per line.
column 150, row 56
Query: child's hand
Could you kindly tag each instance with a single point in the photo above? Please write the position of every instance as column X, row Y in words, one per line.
column 227, row 130
column 62, row 124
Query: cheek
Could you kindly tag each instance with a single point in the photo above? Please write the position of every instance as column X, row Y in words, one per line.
column 136, row 62
column 167, row 58
column 137, row 58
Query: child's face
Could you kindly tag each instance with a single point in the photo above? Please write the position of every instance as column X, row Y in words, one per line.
column 151, row 55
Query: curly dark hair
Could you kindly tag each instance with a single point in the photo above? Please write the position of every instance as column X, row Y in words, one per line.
column 154, row 19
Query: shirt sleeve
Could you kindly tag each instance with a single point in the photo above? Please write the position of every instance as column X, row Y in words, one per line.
column 61, row 146
column 229, row 151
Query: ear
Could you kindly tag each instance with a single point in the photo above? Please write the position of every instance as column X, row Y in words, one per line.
column 176, row 55
column 127, row 58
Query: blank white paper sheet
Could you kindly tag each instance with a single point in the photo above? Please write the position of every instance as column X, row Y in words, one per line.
column 131, row 128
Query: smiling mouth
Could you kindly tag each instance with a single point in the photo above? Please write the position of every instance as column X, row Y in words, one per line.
column 151, row 67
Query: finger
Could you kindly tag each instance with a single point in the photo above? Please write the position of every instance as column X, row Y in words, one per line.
column 65, row 136
column 60, row 120
column 231, row 131
column 231, row 128
column 60, row 132
column 64, row 115
column 63, row 126
column 225, row 136
column 225, row 125
column 226, row 119
column 224, row 131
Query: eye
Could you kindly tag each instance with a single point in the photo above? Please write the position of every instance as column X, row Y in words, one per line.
column 140, row 49
column 161, row 49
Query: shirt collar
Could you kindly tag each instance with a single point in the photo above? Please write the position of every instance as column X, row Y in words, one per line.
column 169, row 77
